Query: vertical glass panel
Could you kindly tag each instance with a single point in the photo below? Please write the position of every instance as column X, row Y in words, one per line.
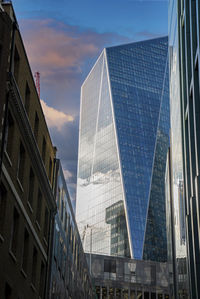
column 100, row 206
column 178, row 196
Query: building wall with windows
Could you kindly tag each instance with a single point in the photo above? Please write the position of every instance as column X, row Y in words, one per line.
column 175, row 197
column 124, row 278
column 70, row 276
column 27, row 203
column 184, row 41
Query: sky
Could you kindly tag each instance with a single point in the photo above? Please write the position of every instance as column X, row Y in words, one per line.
column 63, row 39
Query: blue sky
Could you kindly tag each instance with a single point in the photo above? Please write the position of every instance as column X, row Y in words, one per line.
column 63, row 39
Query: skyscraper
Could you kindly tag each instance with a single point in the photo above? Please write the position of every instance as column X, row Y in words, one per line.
column 123, row 142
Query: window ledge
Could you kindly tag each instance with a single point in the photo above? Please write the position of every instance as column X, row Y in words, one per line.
column 30, row 208
column 13, row 256
column 8, row 158
column 33, row 287
column 20, row 185
column 23, row 273
column 38, row 226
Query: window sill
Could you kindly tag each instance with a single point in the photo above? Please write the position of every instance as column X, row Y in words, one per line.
column 8, row 158
column 33, row 287
column 20, row 185
column 38, row 226
column 23, row 273
column 30, row 208
column 13, row 256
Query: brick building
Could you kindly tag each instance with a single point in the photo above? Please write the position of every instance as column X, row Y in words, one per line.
column 27, row 203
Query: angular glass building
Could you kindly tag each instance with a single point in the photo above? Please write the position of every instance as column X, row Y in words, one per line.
column 123, row 143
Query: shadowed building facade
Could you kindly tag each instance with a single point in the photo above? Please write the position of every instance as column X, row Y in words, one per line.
column 123, row 142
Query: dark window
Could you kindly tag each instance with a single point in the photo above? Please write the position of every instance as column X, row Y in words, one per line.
column 16, row 64
column 50, row 169
column 110, row 266
column 21, row 163
column 160, row 296
column 8, row 291
column 42, row 280
column 25, row 251
column 27, row 98
column 65, row 226
column 46, row 224
column 104, row 292
column 39, row 207
column 139, row 295
column 3, row 200
column 9, row 135
column 97, row 292
column 153, row 295
column 132, row 294
column 166, row 296
column 44, row 149
column 62, row 209
column 15, row 231
column 34, row 266
column 36, row 126
column 146, row 295
column 31, row 187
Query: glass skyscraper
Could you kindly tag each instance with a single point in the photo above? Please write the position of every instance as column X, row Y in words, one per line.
column 123, row 143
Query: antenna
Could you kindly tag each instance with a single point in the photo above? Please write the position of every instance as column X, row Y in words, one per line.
column 37, row 82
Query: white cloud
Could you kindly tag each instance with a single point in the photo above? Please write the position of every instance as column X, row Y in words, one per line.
column 55, row 118
column 67, row 174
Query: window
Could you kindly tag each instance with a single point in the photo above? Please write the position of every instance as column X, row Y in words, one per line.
column 3, row 199
column 9, row 135
column 16, row 64
column 14, row 231
column 44, row 150
column 153, row 295
column 46, row 224
column 146, row 295
column 36, row 126
column 21, row 163
column 27, row 98
column 42, row 280
column 31, row 186
column 34, row 266
column 50, row 169
column 132, row 294
column 25, row 257
column 8, row 291
column 110, row 266
column 39, row 207
column 139, row 295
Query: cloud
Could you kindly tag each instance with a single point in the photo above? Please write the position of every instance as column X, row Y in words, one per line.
column 54, row 117
column 63, row 54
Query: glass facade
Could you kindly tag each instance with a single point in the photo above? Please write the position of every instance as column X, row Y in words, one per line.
column 69, row 275
column 176, row 216
column 123, row 142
